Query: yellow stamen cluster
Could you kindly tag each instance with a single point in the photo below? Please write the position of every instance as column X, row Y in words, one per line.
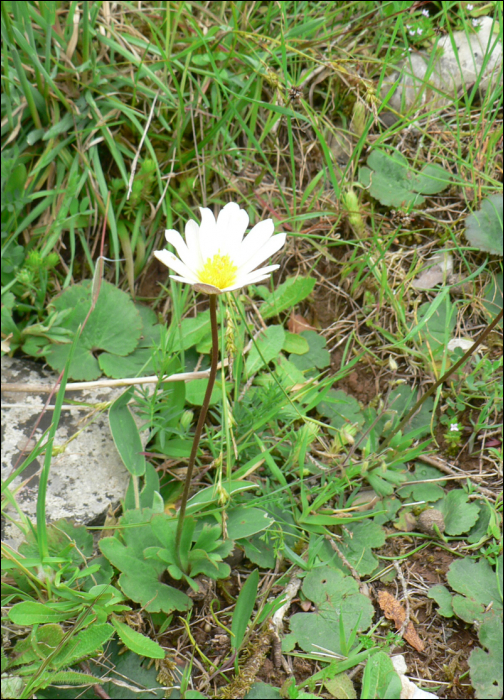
column 218, row 271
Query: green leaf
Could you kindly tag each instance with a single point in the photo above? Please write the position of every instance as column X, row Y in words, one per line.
column 140, row 677
column 114, row 326
column 380, row 679
column 210, row 495
column 186, row 541
column 342, row 410
column 295, row 344
column 68, row 678
column 288, row 374
column 401, row 400
column 482, row 529
column 341, row 686
column 287, row 295
column 14, row 188
column 479, row 585
column 137, row 364
column 12, row 686
column 151, row 329
column 30, row 612
column 487, row 667
column 137, row 642
column 193, row 330
column 125, row 434
column 423, row 492
column 459, row 515
column 244, row 522
column 438, row 327
column 358, row 540
column 484, row 227
column 269, row 344
column 443, row 598
column 243, row 609
column 335, row 596
column 493, row 297
column 60, row 535
column 209, row 537
column 432, row 179
column 393, row 182
column 261, row 548
column 88, row 642
column 259, row 551
column 193, row 561
column 140, row 577
column 196, row 388
column 261, row 690
column 148, row 487
column 209, row 565
column 317, row 355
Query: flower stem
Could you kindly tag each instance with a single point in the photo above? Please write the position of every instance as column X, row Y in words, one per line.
column 201, row 422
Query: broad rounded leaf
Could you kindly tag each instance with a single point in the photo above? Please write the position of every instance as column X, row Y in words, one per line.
column 114, row 326
column 335, row 595
column 484, row 227
column 394, row 183
column 459, row 515
column 487, row 667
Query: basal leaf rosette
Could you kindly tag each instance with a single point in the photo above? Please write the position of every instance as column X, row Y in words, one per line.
column 216, row 257
column 113, row 327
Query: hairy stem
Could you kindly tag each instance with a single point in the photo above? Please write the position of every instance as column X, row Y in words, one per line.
column 201, row 422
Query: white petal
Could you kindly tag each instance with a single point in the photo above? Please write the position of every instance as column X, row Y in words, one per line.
column 232, row 223
column 176, row 240
column 261, row 274
column 174, row 263
column 255, row 240
column 208, row 242
column 244, row 283
column 182, row 279
column 192, row 241
column 257, row 276
column 265, row 252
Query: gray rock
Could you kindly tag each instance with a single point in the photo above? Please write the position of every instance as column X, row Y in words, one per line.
column 455, row 63
column 85, row 478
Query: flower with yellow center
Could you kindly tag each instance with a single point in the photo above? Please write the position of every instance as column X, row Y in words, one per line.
column 215, row 257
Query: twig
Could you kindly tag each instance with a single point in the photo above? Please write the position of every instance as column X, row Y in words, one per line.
column 436, row 462
column 406, row 599
column 276, row 622
column 103, row 383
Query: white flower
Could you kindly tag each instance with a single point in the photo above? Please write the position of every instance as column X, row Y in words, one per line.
column 425, row 12
column 215, row 257
column 470, row 7
column 475, row 22
column 419, row 31
column 454, row 427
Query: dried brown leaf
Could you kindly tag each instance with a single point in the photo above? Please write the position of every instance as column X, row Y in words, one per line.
column 393, row 610
column 298, row 323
